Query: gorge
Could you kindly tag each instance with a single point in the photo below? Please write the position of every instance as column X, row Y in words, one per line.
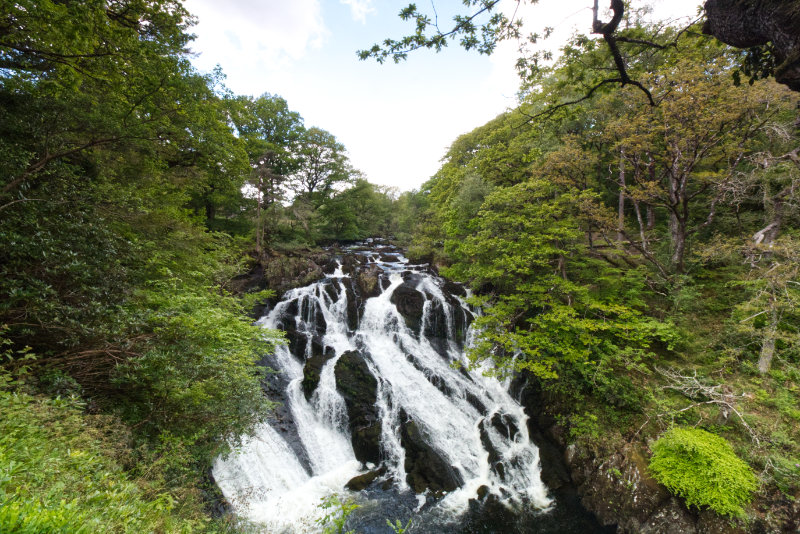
column 376, row 397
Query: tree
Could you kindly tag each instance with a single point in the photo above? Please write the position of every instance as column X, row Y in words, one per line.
column 547, row 308
column 84, row 75
column 322, row 164
column 693, row 152
column 773, row 27
column 769, row 30
column 272, row 134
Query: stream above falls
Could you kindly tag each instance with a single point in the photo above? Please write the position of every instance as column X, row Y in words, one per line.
column 375, row 407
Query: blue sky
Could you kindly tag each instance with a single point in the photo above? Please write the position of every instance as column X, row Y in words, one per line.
column 396, row 120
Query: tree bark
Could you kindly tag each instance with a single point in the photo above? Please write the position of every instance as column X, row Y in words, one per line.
column 621, row 207
column 679, row 243
column 748, row 23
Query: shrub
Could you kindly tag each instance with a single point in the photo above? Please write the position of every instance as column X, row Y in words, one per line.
column 703, row 469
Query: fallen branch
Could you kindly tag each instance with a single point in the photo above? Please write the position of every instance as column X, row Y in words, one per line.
column 693, row 388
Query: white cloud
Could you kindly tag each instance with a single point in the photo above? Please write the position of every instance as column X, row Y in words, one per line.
column 255, row 35
column 359, row 9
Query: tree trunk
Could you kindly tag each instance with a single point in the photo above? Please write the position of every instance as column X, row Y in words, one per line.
column 259, row 223
column 747, row 23
column 651, row 212
column 651, row 216
column 621, row 207
column 642, row 234
column 678, row 236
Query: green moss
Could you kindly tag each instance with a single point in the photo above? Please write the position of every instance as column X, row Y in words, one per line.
column 703, row 469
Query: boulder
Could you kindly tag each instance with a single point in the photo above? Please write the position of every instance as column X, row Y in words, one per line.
column 361, row 482
column 409, row 303
column 505, row 425
column 453, row 288
column 495, row 463
column 425, row 467
column 329, row 266
column 312, row 370
column 298, row 343
column 620, row 491
column 350, row 264
column 359, row 388
column 367, row 282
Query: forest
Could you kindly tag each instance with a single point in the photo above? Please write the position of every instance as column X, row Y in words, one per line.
column 638, row 263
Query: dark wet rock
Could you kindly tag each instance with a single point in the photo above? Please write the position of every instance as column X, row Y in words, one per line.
column 409, row 303
column 410, row 276
column 311, row 313
column 483, row 492
column 350, row 264
column 248, row 282
column 312, row 370
column 437, row 325
column 711, row 523
column 299, row 341
column 329, row 267
column 367, row 282
column 290, row 310
column 435, row 380
column 352, row 306
column 332, row 290
column 425, row 467
column 505, row 425
column 619, row 490
column 441, row 346
column 361, row 482
column 384, row 282
column 614, row 485
column 389, row 257
column 475, row 402
column 452, row 288
column 359, row 388
column 670, row 518
column 495, row 463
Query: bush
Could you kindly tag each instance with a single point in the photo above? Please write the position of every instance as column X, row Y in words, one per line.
column 57, row 474
column 703, row 469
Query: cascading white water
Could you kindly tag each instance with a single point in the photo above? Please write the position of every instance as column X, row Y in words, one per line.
column 467, row 419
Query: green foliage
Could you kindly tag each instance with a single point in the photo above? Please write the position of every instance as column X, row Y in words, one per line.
column 60, row 472
column 337, row 511
column 703, row 469
column 585, row 426
column 197, row 373
column 528, row 249
column 398, row 527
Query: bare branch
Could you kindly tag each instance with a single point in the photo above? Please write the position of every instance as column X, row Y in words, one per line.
column 693, row 388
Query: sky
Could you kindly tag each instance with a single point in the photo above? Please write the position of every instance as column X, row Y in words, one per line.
column 396, row 120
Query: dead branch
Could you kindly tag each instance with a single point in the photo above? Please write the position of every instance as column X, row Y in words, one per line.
column 692, row 387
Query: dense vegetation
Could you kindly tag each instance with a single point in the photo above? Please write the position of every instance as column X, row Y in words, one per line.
column 134, row 190
column 639, row 262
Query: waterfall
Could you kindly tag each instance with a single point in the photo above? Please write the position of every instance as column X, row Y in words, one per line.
column 370, row 385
